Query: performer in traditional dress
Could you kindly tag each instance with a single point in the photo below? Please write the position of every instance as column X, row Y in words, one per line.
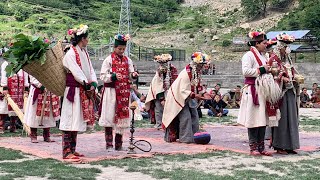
column 253, row 114
column 116, row 72
column 77, row 107
column 165, row 76
column 285, row 137
column 3, row 102
column 180, row 116
column 16, row 86
column 42, row 110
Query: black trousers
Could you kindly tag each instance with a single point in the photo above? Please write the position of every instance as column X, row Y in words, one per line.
column 256, row 134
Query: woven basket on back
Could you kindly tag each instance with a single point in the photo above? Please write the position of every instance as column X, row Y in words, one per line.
column 51, row 74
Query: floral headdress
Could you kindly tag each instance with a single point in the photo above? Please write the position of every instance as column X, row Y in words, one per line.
column 163, row 58
column 82, row 29
column 200, row 58
column 286, row 38
column 255, row 34
column 121, row 37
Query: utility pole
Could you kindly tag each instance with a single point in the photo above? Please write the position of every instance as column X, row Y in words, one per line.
column 125, row 23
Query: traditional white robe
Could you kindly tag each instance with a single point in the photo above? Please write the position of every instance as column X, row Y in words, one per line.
column 176, row 97
column 30, row 117
column 251, row 115
column 109, row 98
column 156, row 87
column 71, row 113
column 4, row 83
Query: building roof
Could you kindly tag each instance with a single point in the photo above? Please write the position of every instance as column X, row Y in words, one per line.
column 299, row 34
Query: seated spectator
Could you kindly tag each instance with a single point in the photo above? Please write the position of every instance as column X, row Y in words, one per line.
column 316, row 98
column 142, row 107
column 139, row 103
column 305, row 100
column 205, row 69
column 217, row 87
column 233, row 97
column 215, row 107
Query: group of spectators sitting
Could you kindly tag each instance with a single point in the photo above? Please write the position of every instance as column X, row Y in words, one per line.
column 310, row 100
column 218, row 103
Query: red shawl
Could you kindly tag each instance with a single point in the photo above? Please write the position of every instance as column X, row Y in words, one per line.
column 120, row 65
column 86, row 103
column 16, row 90
column 52, row 100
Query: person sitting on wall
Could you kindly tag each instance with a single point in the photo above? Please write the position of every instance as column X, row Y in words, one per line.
column 305, row 100
column 316, row 98
column 215, row 107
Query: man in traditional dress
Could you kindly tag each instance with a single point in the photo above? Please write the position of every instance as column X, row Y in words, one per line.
column 77, row 107
column 253, row 114
column 165, row 76
column 285, row 137
column 116, row 72
column 3, row 103
column 42, row 110
column 180, row 116
column 16, row 86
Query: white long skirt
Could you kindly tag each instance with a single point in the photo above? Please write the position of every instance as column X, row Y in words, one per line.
column 4, row 106
column 108, row 112
column 71, row 113
column 30, row 117
column 251, row 115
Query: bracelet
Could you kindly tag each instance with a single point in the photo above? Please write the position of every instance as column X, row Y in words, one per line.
column 262, row 70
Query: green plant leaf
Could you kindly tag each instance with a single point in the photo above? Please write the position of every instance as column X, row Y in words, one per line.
column 9, row 70
column 35, row 38
column 43, row 58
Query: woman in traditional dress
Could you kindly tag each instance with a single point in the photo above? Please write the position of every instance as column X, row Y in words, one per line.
column 77, row 107
column 161, row 82
column 42, row 110
column 285, row 137
column 17, row 87
column 253, row 110
column 116, row 72
column 180, row 116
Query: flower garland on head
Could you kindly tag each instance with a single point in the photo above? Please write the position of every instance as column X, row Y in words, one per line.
column 286, row 38
column 164, row 69
column 163, row 58
column 198, row 58
column 122, row 37
column 282, row 40
column 78, row 31
column 256, row 33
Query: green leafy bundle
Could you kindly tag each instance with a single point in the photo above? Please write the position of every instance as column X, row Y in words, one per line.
column 25, row 49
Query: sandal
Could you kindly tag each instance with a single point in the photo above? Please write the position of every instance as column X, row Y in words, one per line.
column 292, row 152
column 266, row 153
column 71, row 156
column 78, row 154
column 283, row 152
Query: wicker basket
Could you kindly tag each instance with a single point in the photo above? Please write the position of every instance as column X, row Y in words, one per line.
column 52, row 73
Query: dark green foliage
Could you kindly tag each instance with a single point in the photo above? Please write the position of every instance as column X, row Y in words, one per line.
column 254, row 8
column 25, row 49
column 226, row 43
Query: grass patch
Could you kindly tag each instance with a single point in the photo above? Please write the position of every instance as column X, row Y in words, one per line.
column 225, row 120
column 50, row 168
column 309, row 124
column 9, row 154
